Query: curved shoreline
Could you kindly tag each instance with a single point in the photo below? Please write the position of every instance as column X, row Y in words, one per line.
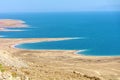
column 62, row 61
column 76, row 51
column 62, row 64
column 61, row 39
column 54, row 39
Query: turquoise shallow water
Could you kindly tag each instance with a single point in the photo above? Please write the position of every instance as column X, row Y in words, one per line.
column 100, row 30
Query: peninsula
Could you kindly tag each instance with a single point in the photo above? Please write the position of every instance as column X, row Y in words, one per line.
column 11, row 23
column 21, row 64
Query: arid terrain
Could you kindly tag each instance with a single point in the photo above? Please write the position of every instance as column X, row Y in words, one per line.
column 23, row 64
column 11, row 23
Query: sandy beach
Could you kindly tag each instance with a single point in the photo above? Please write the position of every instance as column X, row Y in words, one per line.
column 60, row 40
column 56, row 64
column 11, row 23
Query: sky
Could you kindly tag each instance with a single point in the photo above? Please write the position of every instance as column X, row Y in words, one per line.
column 58, row 5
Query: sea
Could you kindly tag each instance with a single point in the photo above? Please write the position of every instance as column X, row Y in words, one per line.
column 96, row 33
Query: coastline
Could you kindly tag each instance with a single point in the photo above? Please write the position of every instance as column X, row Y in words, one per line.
column 11, row 23
column 49, row 40
column 61, row 39
column 65, row 62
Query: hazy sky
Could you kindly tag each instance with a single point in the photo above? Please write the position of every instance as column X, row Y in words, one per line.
column 58, row 5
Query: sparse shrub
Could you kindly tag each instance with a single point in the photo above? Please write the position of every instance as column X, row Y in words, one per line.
column 14, row 74
column 26, row 72
column 2, row 69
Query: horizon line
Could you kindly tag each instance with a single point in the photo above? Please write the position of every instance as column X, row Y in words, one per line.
column 62, row 12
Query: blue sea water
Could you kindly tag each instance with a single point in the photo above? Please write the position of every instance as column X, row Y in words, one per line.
column 100, row 31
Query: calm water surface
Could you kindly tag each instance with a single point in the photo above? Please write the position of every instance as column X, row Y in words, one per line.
column 100, row 31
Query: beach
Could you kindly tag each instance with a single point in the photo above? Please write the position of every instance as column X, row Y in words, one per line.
column 11, row 23
column 60, row 40
column 56, row 64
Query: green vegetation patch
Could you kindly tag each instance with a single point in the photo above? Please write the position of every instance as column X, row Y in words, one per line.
column 2, row 69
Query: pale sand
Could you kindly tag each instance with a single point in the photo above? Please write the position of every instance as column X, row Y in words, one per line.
column 11, row 23
column 57, row 64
